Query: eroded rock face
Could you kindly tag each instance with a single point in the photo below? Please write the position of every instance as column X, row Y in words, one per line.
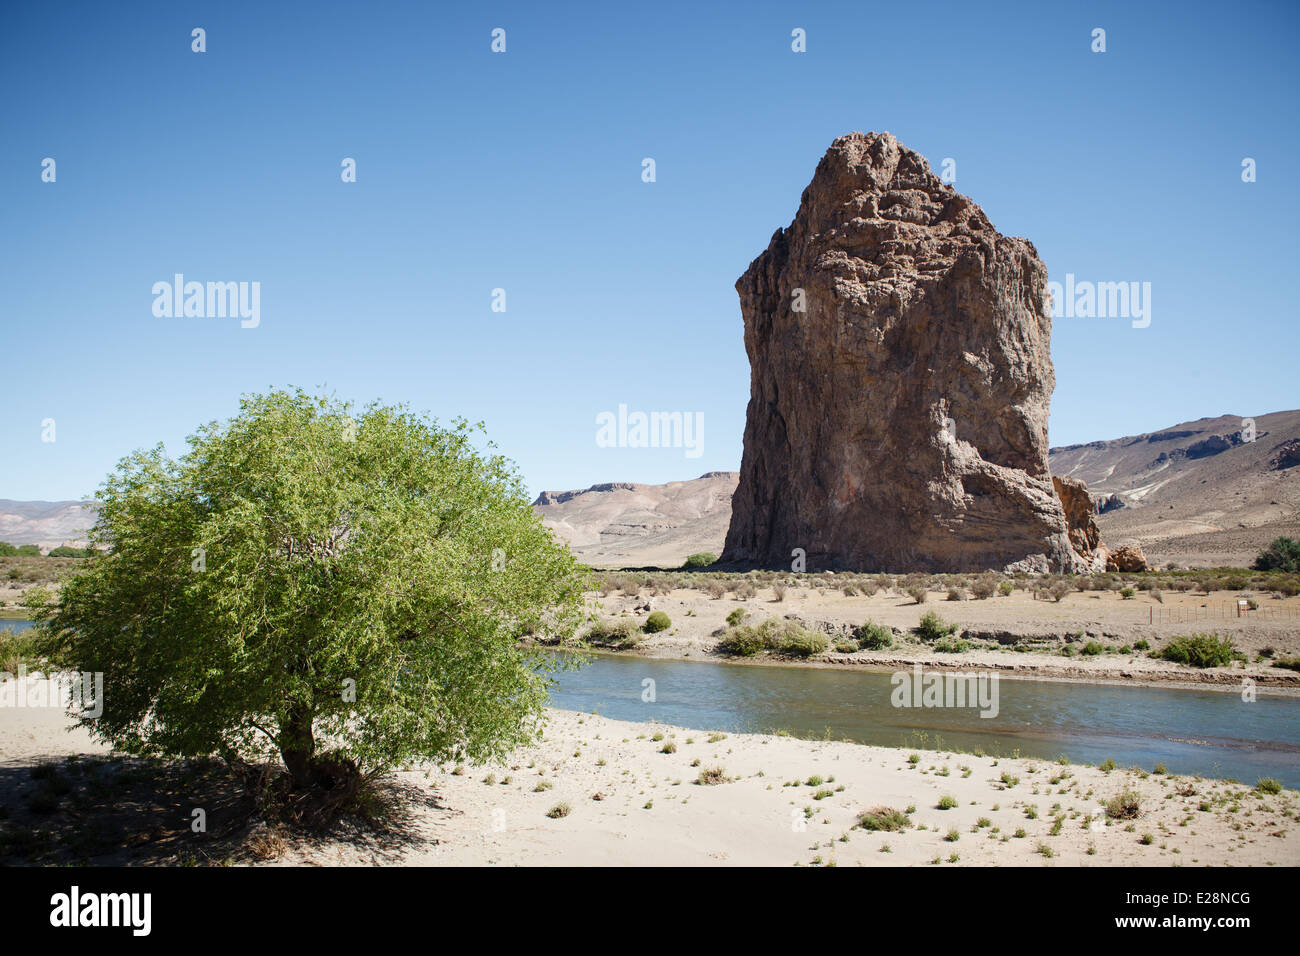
column 900, row 379
column 1127, row 557
column 1081, row 526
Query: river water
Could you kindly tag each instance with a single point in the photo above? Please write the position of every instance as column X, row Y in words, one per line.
column 1206, row 733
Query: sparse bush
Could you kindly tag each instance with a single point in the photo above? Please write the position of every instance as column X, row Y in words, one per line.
column 802, row 643
column 983, row 588
column 1126, row 593
column 918, row 593
column 951, row 645
column 1125, row 805
column 1091, row 649
column 873, row 637
column 956, row 594
column 617, row 633
column 778, row 591
column 711, row 777
column 1282, row 555
column 884, row 819
column 1199, row 650
column 932, row 627
column 1005, row 588
column 736, row 616
column 1059, row 590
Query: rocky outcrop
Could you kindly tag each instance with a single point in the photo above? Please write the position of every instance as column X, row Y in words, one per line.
column 900, row 380
column 1287, row 456
column 1081, row 526
column 1127, row 557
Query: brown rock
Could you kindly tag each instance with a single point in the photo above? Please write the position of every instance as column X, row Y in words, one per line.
column 1127, row 557
column 1288, row 455
column 899, row 421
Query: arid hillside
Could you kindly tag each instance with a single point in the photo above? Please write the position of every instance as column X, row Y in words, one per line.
column 45, row 523
column 1201, row 493
column 1196, row 494
column 623, row 524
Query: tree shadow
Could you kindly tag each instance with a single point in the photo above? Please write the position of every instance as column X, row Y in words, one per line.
column 127, row 811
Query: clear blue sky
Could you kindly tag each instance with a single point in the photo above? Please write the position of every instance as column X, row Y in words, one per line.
column 523, row 171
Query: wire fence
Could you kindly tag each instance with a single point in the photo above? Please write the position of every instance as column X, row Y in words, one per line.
column 1220, row 611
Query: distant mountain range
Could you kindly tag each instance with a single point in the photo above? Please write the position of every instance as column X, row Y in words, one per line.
column 1213, row 491
column 1199, row 493
column 46, row 523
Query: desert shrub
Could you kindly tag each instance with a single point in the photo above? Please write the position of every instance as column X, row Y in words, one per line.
column 1091, row 649
column 1126, row 593
column 778, row 591
column 1199, row 650
column 1125, row 805
column 711, row 777
column 1059, row 590
column 614, row 632
column 657, row 621
column 951, row 645
column 746, row 590
column 1005, row 588
column 801, row 643
column 870, row 588
column 1157, row 596
column 983, row 588
column 918, row 593
column 717, row 590
column 1269, row 785
column 873, row 637
column 701, row 560
column 736, row 616
column 1142, row 644
column 1282, row 555
column 956, row 594
column 931, row 627
column 742, row 642
column 883, row 819
column 1290, row 663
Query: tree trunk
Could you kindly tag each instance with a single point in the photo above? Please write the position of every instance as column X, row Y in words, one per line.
column 298, row 745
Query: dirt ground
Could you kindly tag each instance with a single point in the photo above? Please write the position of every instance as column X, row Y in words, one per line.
column 1015, row 633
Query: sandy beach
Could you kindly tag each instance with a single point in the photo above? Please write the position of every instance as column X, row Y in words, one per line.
column 633, row 797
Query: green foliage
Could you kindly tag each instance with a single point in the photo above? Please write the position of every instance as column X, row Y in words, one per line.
column 773, row 634
column 932, row 627
column 1091, row 649
column 1199, row 650
column 736, row 616
column 873, row 637
column 1125, row 805
column 951, row 645
column 1269, row 785
column 1282, row 555
column 701, row 560
column 619, row 633
column 657, row 621
column 307, row 573
column 7, row 550
column 884, row 819
column 63, row 551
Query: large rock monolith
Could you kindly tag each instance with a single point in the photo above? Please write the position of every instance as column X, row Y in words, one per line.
column 900, row 380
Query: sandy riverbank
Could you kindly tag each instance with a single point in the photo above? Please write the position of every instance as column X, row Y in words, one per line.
column 630, row 803
column 1015, row 635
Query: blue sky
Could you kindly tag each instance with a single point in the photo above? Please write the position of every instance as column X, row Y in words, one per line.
column 522, row 171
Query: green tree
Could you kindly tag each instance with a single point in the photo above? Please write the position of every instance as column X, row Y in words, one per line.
column 347, row 593
column 1282, row 555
